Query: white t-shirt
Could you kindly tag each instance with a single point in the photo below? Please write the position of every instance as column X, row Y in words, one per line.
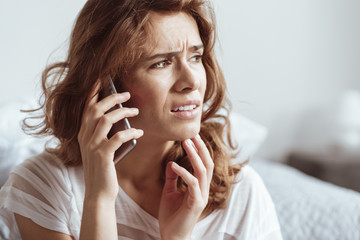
column 51, row 194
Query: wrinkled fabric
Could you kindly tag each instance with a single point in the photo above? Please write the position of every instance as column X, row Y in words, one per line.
column 51, row 194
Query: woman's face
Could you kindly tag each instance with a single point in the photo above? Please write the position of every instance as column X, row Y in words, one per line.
column 169, row 81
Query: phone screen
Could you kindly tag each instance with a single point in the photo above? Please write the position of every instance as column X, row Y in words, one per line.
column 121, row 125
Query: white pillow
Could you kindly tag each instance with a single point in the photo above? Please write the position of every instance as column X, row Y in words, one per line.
column 15, row 145
column 248, row 134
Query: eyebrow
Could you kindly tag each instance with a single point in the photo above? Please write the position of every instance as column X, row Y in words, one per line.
column 172, row 54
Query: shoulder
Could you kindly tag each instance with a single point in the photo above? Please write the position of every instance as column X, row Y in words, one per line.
column 39, row 189
column 248, row 176
column 249, row 214
column 249, row 191
column 43, row 160
column 41, row 174
column 256, row 216
column 249, row 181
column 44, row 167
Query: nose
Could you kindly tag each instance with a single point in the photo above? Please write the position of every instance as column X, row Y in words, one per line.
column 186, row 78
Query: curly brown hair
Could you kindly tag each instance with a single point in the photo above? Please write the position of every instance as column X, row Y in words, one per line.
column 108, row 39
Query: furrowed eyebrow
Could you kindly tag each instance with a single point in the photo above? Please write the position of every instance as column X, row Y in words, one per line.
column 196, row 47
column 172, row 54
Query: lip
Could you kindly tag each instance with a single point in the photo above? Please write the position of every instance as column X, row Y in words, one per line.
column 187, row 114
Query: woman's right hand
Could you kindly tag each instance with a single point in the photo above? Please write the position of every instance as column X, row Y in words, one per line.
column 97, row 151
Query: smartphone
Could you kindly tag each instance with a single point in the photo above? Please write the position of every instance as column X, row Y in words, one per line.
column 107, row 90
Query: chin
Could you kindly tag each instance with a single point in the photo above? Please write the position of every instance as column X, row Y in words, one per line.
column 189, row 132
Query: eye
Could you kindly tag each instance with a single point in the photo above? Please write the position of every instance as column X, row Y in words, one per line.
column 161, row 64
column 196, row 58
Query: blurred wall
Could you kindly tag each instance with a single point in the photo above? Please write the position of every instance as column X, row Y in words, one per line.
column 286, row 62
column 31, row 31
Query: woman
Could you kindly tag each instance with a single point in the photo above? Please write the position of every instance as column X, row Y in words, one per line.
column 178, row 182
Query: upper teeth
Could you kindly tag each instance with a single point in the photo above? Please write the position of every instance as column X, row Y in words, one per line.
column 185, row 108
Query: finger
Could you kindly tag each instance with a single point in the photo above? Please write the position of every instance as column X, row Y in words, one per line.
column 98, row 109
column 121, row 137
column 94, row 94
column 171, row 178
column 91, row 100
column 108, row 120
column 200, row 172
column 110, row 101
column 95, row 110
column 204, row 155
column 191, row 181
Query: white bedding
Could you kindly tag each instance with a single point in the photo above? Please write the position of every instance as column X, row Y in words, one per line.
column 309, row 208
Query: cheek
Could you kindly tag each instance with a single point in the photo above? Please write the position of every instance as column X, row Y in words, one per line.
column 203, row 83
column 146, row 97
column 138, row 92
column 139, row 99
column 135, row 95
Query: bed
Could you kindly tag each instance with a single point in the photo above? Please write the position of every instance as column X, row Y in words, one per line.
column 307, row 208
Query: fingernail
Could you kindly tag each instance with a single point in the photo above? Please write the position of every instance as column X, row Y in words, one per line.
column 174, row 165
column 134, row 110
column 190, row 143
column 140, row 132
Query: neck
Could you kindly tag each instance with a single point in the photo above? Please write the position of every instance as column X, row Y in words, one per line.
column 143, row 165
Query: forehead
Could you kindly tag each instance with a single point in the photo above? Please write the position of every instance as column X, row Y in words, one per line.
column 171, row 31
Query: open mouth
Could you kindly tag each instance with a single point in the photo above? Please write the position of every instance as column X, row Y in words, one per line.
column 184, row 108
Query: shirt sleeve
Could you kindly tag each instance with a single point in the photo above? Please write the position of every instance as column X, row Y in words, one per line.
column 37, row 189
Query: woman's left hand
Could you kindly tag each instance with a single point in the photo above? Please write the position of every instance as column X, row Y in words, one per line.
column 179, row 212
